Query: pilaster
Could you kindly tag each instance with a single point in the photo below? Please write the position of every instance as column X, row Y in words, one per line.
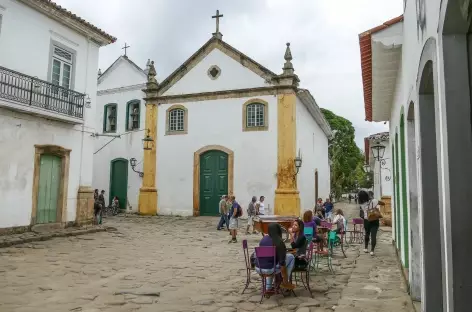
column 147, row 204
column 85, row 202
column 287, row 198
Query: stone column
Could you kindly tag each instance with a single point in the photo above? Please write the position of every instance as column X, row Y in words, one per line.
column 85, row 201
column 148, row 193
column 287, row 197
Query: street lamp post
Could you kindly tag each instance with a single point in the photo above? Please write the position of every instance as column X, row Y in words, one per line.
column 378, row 150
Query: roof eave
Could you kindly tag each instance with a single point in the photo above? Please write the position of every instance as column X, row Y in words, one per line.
column 310, row 103
column 365, row 45
column 70, row 20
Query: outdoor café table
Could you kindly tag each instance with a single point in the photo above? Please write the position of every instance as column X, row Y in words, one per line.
column 262, row 222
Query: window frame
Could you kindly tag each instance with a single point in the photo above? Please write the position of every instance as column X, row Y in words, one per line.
column 265, row 127
column 72, row 63
column 168, row 112
column 105, row 117
column 128, row 114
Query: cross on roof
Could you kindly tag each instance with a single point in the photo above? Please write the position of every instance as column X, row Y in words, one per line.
column 125, row 47
column 217, row 16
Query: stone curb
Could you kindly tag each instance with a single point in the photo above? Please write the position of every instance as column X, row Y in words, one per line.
column 48, row 236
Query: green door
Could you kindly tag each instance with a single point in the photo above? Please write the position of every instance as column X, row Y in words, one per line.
column 48, row 190
column 119, row 181
column 213, row 181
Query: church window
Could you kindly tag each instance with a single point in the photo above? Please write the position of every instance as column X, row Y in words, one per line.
column 214, row 72
column 109, row 118
column 133, row 115
column 176, row 120
column 255, row 115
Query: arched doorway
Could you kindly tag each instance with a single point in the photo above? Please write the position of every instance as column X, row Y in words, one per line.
column 415, row 244
column 430, row 189
column 119, row 181
column 213, row 176
column 455, row 27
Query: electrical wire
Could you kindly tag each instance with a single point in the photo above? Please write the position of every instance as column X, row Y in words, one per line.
column 118, row 136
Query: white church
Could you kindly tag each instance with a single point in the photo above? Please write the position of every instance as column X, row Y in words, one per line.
column 224, row 124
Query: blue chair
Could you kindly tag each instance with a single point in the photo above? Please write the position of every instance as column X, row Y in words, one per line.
column 308, row 232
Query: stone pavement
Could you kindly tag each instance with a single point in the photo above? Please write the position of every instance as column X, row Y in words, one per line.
column 181, row 264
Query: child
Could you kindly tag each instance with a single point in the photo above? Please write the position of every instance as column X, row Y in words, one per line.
column 340, row 221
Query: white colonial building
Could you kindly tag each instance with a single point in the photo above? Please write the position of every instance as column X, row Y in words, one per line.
column 417, row 75
column 48, row 65
column 224, row 124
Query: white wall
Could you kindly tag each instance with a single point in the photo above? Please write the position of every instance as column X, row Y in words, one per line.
column 379, row 176
column 122, row 74
column 216, row 122
column 28, row 35
column 128, row 146
column 233, row 76
column 313, row 145
column 20, row 132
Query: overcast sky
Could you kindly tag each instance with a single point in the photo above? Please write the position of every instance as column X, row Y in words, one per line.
column 323, row 36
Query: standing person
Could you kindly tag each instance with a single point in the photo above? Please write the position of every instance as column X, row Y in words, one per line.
column 328, row 206
column 251, row 213
column 101, row 201
column 370, row 226
column 260, row 207
column 340, row 221
column 236, row 212
column 223, row 212
column 95, row 195
column 350, row 198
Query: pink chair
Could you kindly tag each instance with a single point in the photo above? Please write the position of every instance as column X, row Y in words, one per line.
column 357, row 236
column 267, row 253
column 247, row 261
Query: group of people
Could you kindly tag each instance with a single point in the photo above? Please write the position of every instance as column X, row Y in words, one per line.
column 285, row 259
column 99, row 205
column 231, row 211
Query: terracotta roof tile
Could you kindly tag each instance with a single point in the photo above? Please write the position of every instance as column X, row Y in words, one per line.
column 365, row 44
column 78, row 19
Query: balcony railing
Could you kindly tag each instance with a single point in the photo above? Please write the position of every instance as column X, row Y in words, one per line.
column 33, row 92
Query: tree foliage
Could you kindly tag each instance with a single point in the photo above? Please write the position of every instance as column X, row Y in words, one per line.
column 347, row 160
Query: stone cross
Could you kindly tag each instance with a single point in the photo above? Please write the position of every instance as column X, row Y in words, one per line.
column 217, row 16
column 125, row 47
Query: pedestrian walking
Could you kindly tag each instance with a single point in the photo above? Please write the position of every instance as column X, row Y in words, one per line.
column 236, row 212
column 371, row 215
column 224, row 213
column 251, row 213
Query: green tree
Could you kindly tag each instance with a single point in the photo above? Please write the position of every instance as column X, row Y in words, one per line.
column 347, row 160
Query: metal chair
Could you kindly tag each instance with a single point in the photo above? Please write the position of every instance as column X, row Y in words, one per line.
column 247, row 261
column 304, row 270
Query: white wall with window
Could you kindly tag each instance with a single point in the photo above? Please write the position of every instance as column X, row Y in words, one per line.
column 48, row 52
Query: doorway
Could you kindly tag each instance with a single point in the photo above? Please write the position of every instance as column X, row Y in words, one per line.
column 49, row 189
column 213, row 181
column 119, row 181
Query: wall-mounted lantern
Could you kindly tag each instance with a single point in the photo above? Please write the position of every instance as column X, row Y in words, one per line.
column 298, row 162
column 367, row 168
column 88, row 102
column 378, row 150
column 147, row 142
column 133, row 163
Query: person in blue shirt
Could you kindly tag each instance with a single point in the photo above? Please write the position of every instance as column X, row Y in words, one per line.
column 328, row 206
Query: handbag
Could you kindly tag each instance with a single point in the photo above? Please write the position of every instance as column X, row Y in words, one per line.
column 373, row 214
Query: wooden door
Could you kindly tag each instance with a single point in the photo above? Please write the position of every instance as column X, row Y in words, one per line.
column 119, row 181
column 316, row 185
column 48, row 189
column 213, row 181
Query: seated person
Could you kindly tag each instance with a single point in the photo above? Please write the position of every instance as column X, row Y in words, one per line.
column 310, row 221
column 284, row 261
column 297, row 237
column 339, row 220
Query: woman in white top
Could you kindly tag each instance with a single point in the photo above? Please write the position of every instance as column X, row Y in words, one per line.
column 260, row 206
column 370, row 227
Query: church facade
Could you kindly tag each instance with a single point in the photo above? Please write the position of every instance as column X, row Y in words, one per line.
column 417, row 75
column 222, row 123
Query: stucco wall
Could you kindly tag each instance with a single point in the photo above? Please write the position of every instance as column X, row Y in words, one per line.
column 29, row 35
column 313, row 145
column 20, row 132
column 233, row 76
column 128, row 146
column 217, row 122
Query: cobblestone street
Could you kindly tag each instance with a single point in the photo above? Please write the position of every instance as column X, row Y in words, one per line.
column 182, row 264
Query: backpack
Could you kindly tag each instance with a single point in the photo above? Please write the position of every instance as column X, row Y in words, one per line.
column 239, row 213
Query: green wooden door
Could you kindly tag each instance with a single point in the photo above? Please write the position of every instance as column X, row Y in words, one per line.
column 48, row 190
column 119, row 181
column 213, row 181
